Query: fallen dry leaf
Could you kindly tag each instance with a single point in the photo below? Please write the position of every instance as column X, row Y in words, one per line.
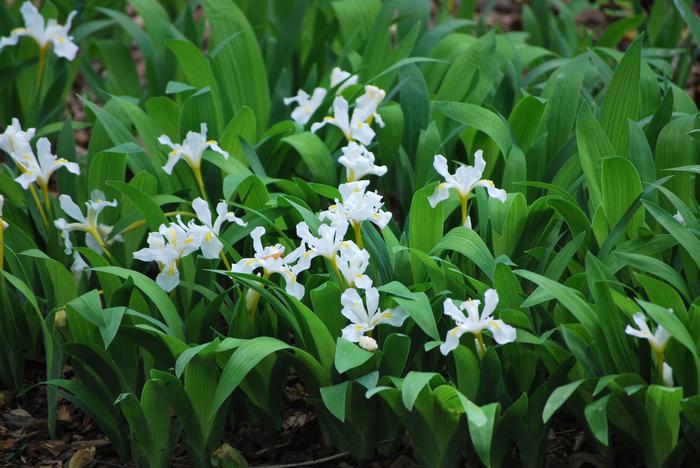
column 7, row 444
column 82, row 458
column 63, row 414
column 56, row 447
column 81, row 444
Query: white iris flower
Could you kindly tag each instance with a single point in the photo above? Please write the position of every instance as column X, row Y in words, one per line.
column 95, row 233
column 464, row 180
column 657, row 340
column 357, row 205
column 475, row 323
column 271, row 259
column 40, row 169
column 365, row 316
column 358, row 126
column 166, row 247
column 44, row 33
column 326, row 245
column 191, row 149
column 307, row 105
column 3, row 223
column 359, row 162
column 210, row 244
column 16, row 142
column 353, row 262
column 342, row 78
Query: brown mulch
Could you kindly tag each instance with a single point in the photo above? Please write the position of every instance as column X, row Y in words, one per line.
column 25, row 441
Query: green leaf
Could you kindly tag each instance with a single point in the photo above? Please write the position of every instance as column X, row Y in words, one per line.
column 662, row 406
column 416, row 305
column 597, row 417
column 593, row 148
column 465, row 68
column 396, row 350
column 621, row 186
column 482, row 435
column 143, row 202
column 468, row 243
column 679, row 232
column 152, row 291
column 562, row 91
column 525, row 120
column 672, row 323
column 479, row 118
column 59, row 283
column 690, row 19
column 614, row 33
column 558, row 397
column 568, row 297
column 241, row 362
column 412, row 386
column 621, row 102
column 349, row 355
column 334, row 398
column 315, row 155
column 238, row 61
column 194, row 65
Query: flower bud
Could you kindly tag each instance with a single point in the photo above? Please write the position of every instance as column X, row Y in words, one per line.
column 60, row 319
column 368, row 343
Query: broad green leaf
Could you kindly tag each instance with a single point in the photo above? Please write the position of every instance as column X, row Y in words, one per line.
column 238, row 61
column 479, row 118
column 558, row 397
column 154, row 293
column 412, row 386
column 621, row 186
column 593, row 148
column 241, row 362
column 621, row 102
column 468, row 243
column 683, row 235
column 416, row 305
column 662, row 406
column 315, row 155
column 597, row 417
column 334, row 398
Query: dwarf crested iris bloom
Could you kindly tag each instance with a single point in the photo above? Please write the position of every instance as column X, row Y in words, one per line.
column 475, row 322
column 359, row 162
column 44, row 33
column 307, row 105
column 95, row 233
column 271, row 259
column 191, row 149
column 208, row 232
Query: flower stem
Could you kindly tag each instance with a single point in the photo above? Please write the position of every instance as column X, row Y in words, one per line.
column 142, row 222
column 227, row 264
column 253, row 296
column 482, row 346
column 660, row 365
column 35, row 196
column 463, row 204
column 102, row 245
column 357, row 227
column 200, row 182
column 47, row 201
column 339, row 275
column 2, row 244
column 40, row 71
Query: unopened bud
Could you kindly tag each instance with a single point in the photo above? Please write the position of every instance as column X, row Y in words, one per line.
column 368, row 343
column 60, row 319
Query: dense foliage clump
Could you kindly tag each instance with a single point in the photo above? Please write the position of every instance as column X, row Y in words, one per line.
column 442, row 229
